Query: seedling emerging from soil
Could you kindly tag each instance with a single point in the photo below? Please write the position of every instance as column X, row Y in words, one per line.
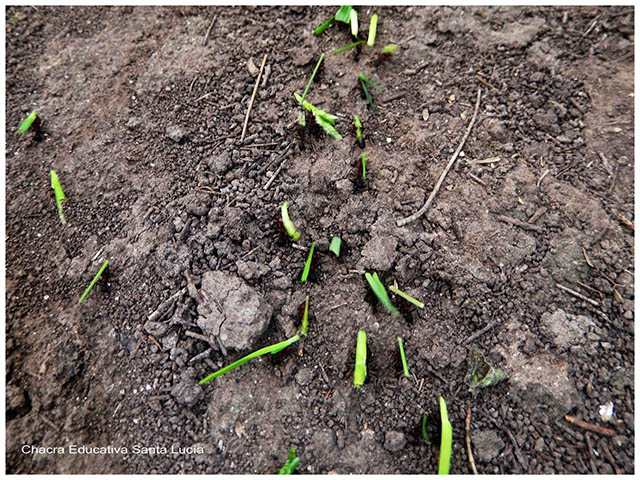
column 479, row 373
column 385, row 54
column 425, row 435
column 324, row 26
column 335, row 245
column 305, row 318
column 354, row 23
column 315, row 70
column 364, row 81
column 373, row 26
column 358, row 125
column 405, row 368
column 27, row 122
column 275, row 348
column 363, row 164
column 324, row 119
column 406, row 296
column 360, row 372
column 347, row 47
column 292, row 463
column 57, row 191
column 308, row 266
column 342, row 15
column 445, row 440
column 289, row 227
column 93, row 282
column 378, row 288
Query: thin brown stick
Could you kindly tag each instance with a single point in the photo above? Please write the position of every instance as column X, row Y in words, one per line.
column 467, row 428
column 275, row 174
column 519, row 223
column 480, row 332
column 590, row 426
column 164, row 306
column 592, row 459
column 156, row 342
column 206, row 37
column 253, row 97
column 609, row 457
column 426, row 206
column 578, row 295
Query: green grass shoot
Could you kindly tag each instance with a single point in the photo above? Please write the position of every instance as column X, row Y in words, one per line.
column 315, row 70
column 304, row 328
column 324, row 26
column 358, row 124
column 363, row 157
column 289, row 227
column 425, row 435
column 302, row 120
column 446, row 439
column 26, row 123
column 373, row 27
column 354, row 22
column 360, row 372
column 344, row 14
column 292, row 463
column 93, row 282
column 335, row 245
column 405, row 368
column 406, row 296
column 275, row 348
column 378, row 288
column 307, row 265
column 391, row 48
column 364, row 81
column 57, row 190
column 324, row 119
column 347, row 47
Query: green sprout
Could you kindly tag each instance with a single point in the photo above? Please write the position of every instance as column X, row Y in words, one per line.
column 307, row 264
column 315, row 70
column 373, row 26
column 324, row 26
column 360, row 372
column 445, row 440
column 275, row 348
column 27, row 122
column 405, row 368
column 57, row 190
column 391, row 48
column 292, row 463
column 344, row 14
column 302, row 120
column 406, row 296
column 347, row 47
column 358, row 124
column 425, row 435
column 378, row 288
column 304, row 328
column 363, row 158
column 364, row 81
column 354, row 22
column 324, row 119
column 335, row 245
column 289, row 227
column 93, row 282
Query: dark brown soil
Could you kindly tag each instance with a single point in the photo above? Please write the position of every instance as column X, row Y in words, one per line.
column 142, row 123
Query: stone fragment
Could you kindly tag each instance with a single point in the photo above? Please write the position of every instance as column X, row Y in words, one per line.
column 187, row 392
column 487, row 445
column 176, row 133
column 394, row 441
column 379, row 253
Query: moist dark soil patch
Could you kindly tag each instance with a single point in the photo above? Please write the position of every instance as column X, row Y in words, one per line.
column 142, row 121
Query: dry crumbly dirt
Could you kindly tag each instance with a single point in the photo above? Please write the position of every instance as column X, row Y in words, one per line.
column 142, row 123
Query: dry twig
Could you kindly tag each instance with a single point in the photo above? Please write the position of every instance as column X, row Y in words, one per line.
column 253, row 97
column 590, row 426
column 426, row 206
column 206, row 37
column 592, row 459
column 467, row 428
column 164, row 306
column 578, row 295
column 519, row 223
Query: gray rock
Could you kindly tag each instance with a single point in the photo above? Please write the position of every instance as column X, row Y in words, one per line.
column 282, row 283
column 220, row 164
column 487, row 445
column 251, row 270
column 304, row 376
column 235, row 312
column 394, row 441
column 176, row 133
column 380, row 252
column 198, row 208
column 563, row 331
column 157, row 329
column 187, row 392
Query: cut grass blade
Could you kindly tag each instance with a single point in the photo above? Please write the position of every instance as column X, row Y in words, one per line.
column 307, row 265
column 378, row 288
column 406, row 296
column 358, row 124
column 292, row 463
column 324, row 26
column 347, row 47
column 445, row 440
column 391, row 48
column 304, row 328
column 289, row 227
column 354, row 22
column 315, row 70
column 344, row 14
column 364, row 81
column 405, row 368
column 59, row 194
column 360, row 372
column 363, row 158
column 425, row 435
column 93, row 282
column 324, row 119
column 335, row 245
column 373, row 26
column 275, row 348
column 27, row 122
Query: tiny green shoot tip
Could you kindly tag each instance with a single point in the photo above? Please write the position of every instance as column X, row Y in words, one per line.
column 406, row 296
column 289, row 227
column 380, row 292
column 59, row 194
column 363, row 157
column 405, row 367
column 324, row 26
column 354, row 23
column 391, row 48
column 373, row 26
column 291, row 464
column 304, row 328
column 360, row 372
column 446, row 440
column 307, row 265
column 344, row 14
column 26, row 123
column 335, row 245
column 93, row 282
column 315, row 70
